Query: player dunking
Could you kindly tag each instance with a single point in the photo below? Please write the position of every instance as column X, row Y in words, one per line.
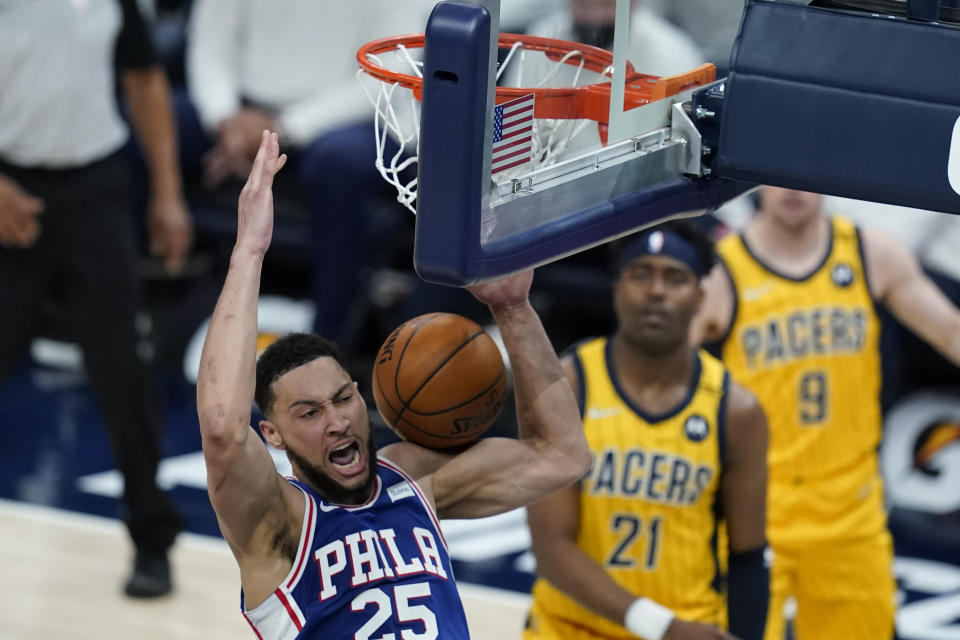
column 351, row 547
column 793, row 307
column 632, row 550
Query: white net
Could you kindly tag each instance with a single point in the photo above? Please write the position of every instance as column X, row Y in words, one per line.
column 397, row 112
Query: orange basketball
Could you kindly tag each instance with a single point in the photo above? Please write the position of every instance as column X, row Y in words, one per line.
column 439, row 380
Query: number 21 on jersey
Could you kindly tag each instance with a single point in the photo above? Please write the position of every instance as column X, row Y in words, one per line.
column 631, row 527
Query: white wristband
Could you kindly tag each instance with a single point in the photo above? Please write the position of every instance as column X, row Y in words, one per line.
column 647, row 619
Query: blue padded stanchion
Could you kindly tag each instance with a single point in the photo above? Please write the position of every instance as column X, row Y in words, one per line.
column 845, row 103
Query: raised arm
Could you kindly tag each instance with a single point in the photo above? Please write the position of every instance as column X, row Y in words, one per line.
column 498, row 474
column 242, row 481
column 743, row 491
column 897, row 279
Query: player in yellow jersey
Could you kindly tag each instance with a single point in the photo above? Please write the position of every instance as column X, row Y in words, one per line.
column 631, row 551
column 792, row 305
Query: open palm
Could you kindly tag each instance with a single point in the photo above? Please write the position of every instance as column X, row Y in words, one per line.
column 255, row 210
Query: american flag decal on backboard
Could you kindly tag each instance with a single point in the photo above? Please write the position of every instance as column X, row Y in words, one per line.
column 512, row 133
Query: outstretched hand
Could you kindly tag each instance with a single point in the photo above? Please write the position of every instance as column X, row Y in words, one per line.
column 507, row 292
column 255, row 210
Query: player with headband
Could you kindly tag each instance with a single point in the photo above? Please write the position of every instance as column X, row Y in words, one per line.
column 679, row 452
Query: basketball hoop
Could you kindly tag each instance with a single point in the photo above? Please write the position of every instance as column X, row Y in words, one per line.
column 571, row 90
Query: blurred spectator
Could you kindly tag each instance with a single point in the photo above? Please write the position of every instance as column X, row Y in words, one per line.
column 656, row 46
column 516, row 16
column 713, row 25
column 65, row 224
column 290, row 66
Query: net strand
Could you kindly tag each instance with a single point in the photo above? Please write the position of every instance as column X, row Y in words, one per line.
column 397, row 116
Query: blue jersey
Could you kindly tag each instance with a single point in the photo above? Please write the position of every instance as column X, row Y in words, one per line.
column 376, row 570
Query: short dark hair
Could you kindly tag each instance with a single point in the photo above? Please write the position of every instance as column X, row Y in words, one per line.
column 689, row 231
column 288, row 353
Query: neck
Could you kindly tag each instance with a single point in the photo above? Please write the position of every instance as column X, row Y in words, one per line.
column 797, row 241
column 649, row 370
column 793, row 250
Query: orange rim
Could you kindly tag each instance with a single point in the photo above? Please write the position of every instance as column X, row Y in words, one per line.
column 590, row 101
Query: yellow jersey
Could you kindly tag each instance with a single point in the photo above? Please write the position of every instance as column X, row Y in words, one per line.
column 808, row 348
column 648, row 506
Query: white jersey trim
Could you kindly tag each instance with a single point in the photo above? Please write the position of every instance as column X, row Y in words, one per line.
column 302, row 559
column 278, row 617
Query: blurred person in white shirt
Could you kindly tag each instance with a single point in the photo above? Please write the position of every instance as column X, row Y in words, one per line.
column 290, row 66
column 656, row 46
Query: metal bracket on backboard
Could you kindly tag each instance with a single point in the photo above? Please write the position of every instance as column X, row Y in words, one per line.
column 682, row 128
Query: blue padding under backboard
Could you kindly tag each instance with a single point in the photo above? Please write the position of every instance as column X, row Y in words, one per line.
column 843, row 103
column 441, row 260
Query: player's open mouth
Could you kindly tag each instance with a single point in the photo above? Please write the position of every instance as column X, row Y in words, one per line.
column 347, row 459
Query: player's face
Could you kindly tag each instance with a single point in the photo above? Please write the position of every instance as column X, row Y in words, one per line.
column 325, row 430
column 655, row 299
column 789, row 208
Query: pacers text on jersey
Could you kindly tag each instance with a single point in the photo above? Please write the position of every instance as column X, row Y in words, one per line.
column 802, row 333
column 657, row 476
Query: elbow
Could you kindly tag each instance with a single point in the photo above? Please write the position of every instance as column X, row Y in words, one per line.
column 222, row 444
column 577, row 460
column 217, row 430
column 583, row 461
column 213, row 419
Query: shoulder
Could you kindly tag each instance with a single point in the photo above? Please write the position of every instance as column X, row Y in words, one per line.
column 135, row 50
column 887, row 260
column 745, row 419
column 741, row 403
column 412, row 459
column 727, row 242
column 879, row 241
column 572, row 361
column 717, row 311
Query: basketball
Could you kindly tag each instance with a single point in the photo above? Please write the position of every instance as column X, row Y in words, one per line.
column 439, row 380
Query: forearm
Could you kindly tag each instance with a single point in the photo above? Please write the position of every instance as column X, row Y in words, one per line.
column 545, row 403
column 150, row 107
column 225, row 384
column 573, row 572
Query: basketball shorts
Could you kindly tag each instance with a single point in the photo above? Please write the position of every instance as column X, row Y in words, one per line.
column 841, row 591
